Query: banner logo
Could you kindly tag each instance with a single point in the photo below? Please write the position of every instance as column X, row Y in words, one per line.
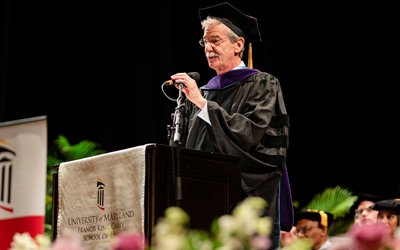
column 100, row 193
column 7, row 157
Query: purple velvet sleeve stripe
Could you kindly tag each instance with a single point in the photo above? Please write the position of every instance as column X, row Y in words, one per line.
column 229, row 78
column 286, row 210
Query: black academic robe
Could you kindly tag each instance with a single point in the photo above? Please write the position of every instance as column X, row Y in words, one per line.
column 248, row 119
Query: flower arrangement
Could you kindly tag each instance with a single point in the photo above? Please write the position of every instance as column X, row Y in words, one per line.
column 26, row 242
column 245, row 229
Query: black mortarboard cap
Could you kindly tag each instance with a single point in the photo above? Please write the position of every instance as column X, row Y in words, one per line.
column 322, row 217
column 392, row 204
column 243, row 25
column 365, row 197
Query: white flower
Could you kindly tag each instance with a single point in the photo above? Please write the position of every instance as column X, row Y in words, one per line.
column 228, row 224
column 170, row 232
column 23, row 242
column 244, row 229
column 43, row 242
column 176, row 242
column 237, row 230
column 232, row 244
column 264, row 225
column 206, row 245
column 176, row 215
column 251, row 207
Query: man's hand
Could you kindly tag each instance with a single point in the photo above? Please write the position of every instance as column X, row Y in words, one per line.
column 191, row 90
column 288, row 237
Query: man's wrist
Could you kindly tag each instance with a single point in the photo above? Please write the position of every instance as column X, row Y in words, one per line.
column 201, row 103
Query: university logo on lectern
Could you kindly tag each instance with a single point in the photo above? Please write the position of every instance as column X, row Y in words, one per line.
column 7, row 158
column 100, row 193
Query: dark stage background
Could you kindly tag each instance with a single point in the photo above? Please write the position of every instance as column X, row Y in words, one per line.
column 95, row 69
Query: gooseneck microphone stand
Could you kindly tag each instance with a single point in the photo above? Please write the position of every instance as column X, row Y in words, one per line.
column 176, row 131
column 178, row 142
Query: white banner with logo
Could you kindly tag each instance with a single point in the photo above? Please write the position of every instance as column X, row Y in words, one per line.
column 101, row 196
column 23, row 157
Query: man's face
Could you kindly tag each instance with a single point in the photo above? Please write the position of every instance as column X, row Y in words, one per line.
column 366, row 215
column 389, row 219
column 223, row 55
column 309, row 229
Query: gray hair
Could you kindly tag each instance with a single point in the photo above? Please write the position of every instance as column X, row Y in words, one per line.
column 212, row 21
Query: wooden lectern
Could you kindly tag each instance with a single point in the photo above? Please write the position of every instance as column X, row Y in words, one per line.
column 210, row 186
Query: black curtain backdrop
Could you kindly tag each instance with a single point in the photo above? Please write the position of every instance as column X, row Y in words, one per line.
column 96, row 69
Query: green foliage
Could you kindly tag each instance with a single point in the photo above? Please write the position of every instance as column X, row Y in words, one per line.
column 63, row 151
column 340, row 226
column 68, row 152
column 337, row 201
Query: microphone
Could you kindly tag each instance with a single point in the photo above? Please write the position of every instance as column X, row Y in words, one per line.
column 194, row 75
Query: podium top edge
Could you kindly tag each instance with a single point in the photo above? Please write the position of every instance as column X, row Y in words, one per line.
column 26, row 120
column 194, row 151
column 156, row 147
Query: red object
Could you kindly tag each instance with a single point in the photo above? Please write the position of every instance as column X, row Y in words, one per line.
column 8, row 227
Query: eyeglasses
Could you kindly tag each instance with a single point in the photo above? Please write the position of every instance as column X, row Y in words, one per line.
column 304, row 230
column 213, row 42
column 367, row 210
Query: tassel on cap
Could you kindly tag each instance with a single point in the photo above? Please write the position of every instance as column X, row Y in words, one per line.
column 250, row 58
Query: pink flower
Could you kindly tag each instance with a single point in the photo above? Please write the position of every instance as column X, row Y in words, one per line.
column 129, row 241
column 369, row 237
column 395, row 244
column 69, row 241
column 260, row 242
column 66, row 244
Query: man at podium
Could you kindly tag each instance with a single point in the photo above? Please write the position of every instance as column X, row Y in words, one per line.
column 240, row 111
